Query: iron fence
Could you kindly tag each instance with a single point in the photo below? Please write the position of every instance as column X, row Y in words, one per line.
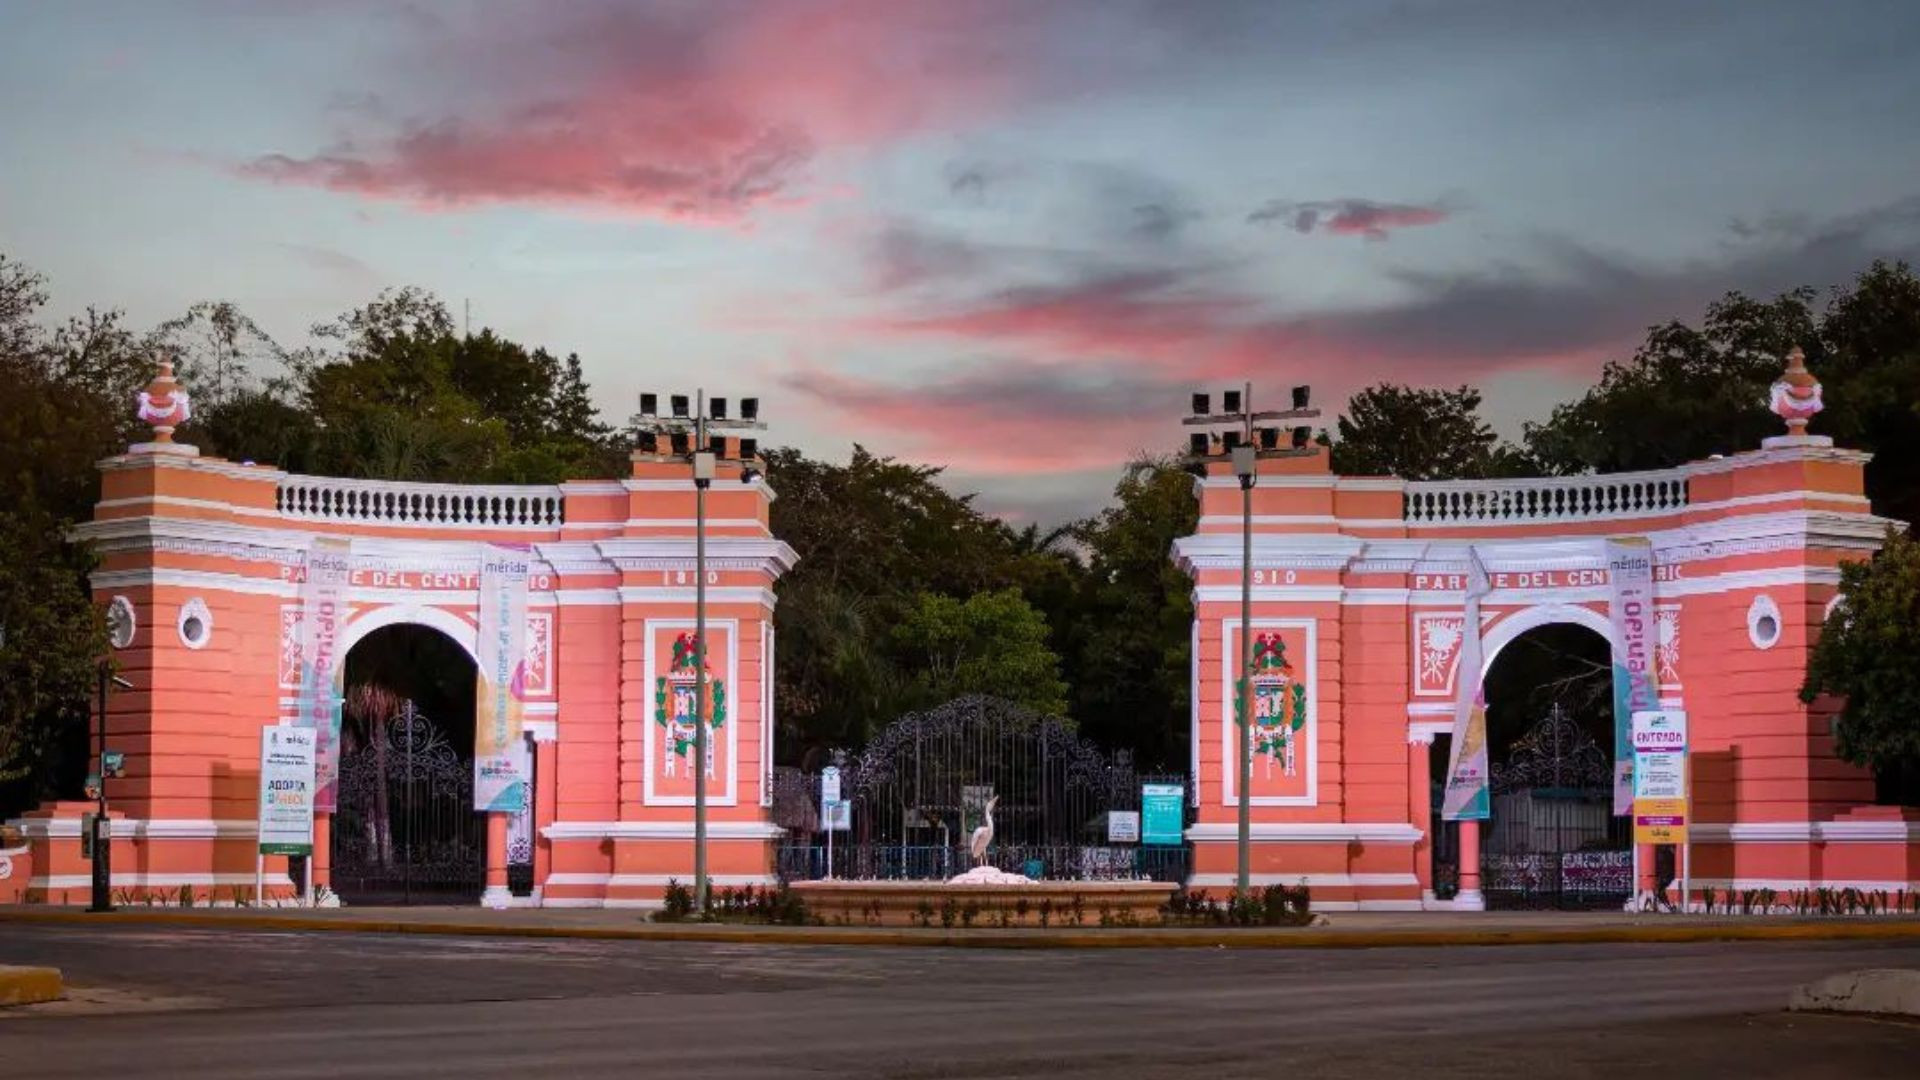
column 919, row 791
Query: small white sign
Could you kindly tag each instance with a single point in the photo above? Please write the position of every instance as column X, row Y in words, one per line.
column 1659, row 775
column 1123, row 827
column 837, row 817
column 1661, row 730
column 286, row 790
column 829, row 785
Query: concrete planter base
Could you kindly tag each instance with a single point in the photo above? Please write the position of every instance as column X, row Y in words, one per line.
column 912, row 903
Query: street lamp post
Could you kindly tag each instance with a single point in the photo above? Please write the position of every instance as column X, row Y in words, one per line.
column 1239, row 438
column 681, row 437
column 100, row 840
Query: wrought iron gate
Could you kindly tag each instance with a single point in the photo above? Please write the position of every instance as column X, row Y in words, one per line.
column 1554, row 841
column 406, row 831
column 922, row 786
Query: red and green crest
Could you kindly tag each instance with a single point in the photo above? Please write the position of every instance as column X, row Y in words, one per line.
column 1279, row 701
column 676, row 695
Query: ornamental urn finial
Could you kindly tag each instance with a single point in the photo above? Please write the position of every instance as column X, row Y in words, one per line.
column 164, row 404
column 1795, row 395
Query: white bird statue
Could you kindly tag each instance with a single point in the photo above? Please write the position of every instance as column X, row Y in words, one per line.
column 983, row 835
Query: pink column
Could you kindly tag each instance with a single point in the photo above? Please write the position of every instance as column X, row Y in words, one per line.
column 1469, row 898
column 1420, row 807
column 496, row 895
column 546, row 801
column 322, row 852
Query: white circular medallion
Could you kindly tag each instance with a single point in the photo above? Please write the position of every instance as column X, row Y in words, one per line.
column 1763, row 622
column 120, row 622
column 196, row 624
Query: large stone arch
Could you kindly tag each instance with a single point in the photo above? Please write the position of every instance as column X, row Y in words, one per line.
column 462, row 632
column 1507, row 629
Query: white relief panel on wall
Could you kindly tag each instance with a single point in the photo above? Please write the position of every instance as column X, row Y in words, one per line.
column 289, row 647
column 1666, row 655
column 539, row 656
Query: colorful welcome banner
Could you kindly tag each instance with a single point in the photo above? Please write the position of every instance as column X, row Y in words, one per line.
column 1630, row 609
column 323, row 611
column 498, row 783
column 1467, row 797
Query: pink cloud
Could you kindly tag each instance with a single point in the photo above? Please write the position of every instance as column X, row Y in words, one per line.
column 702, row 112
column 1349, row 217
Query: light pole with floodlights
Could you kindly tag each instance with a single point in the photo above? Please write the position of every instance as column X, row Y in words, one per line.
column 686, row 438
column 1239, row 439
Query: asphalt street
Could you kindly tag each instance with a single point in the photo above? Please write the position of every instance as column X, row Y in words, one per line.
column 219, row 1003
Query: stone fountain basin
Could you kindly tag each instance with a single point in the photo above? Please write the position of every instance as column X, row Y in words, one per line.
column 996, row 900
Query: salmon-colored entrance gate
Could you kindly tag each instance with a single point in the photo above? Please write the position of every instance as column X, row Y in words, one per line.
column 1357, row 612
column 204, row 559
column 1358, row 587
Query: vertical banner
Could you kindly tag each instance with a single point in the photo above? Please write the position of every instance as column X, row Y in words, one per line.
column 323, row 611
column 286, row 791
column 1467, row 797
column 501, row 680
column 1630, row 610
column 1660, row 777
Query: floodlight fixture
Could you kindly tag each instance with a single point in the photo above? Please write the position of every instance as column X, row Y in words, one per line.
column 649, row 405
column 1198, row 443
column 750, row 408
column 1202, row 404
column 680, row 406
column 1230, row 402
column 717, row 408
column 1302, row 395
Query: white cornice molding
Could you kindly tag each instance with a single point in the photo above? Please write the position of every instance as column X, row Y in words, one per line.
column 1801, row 832
column 660, row 830
column 1330, row 832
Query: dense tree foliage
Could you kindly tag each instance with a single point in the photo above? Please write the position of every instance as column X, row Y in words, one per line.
column 1420, row 434
column 905, row 591
column 1865, row 655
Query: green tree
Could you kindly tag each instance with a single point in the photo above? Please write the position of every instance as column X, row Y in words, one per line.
column 393, row 392
column 1688, row 392
column 989, row 643
column 63, row 411
column 1421, row 434
column 1865, row 657
column 1130, row 649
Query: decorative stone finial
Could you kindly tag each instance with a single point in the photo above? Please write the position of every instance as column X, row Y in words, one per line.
column 164, row 405
column 1795, row 396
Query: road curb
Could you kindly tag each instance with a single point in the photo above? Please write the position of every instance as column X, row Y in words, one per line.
column 29, row 985
column 1255, row 938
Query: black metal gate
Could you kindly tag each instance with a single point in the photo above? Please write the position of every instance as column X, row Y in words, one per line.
column 1554, row 841
column 923, row 786
column 406, row 831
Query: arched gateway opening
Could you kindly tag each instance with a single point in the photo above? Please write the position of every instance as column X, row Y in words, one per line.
column 406, row 830
column 1554, row 841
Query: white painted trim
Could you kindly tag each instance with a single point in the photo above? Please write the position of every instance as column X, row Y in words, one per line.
column 142, row 829
column 1356, row 881
column 541, row 731
column 463, row 633
column 1369, row 905
column 767, row 733
column 144, row 880
column 616, row 881
column 730, row 730
column 660, row 830
column 686, row 594
column 204, row 580
column 1309, row 832
column 598, row 902
column 1802, row 832
column 1230, row 652
column 586, row 597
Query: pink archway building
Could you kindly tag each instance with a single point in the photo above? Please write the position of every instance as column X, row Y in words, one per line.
column 1357, row 601
column 1362, row 581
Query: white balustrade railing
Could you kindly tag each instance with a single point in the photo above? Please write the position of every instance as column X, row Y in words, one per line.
column 391, row 502
column 1546, row 499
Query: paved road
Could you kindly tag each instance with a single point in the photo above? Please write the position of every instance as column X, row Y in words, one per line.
column 215, row 1004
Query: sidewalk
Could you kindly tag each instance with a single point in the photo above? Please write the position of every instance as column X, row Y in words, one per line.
column 1346, row 930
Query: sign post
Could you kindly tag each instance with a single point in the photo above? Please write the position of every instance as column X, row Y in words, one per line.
column 834, row 811
column 287, row 761
column 1660, row 795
